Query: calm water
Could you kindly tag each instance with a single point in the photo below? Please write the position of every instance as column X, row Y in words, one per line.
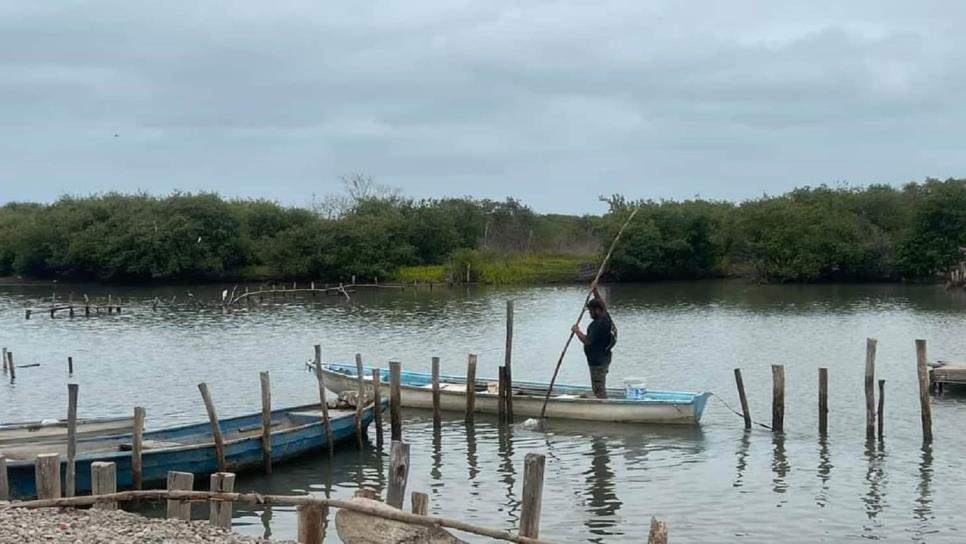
column 603, row 482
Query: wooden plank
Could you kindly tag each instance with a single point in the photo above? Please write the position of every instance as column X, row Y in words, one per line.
column 870, row 344
column 508, row 361
column 924, row 407
column 310, row 520
column 744, row 400
column 420, row 503
column 4, row 480
column 398, row 474
column 395, row 401
column 180, row 509
column 823, row 401
column 266, row 387
column 533, row 465
column 72, row 390
column 47, row 475
column 881, row 412
column 137, row 447
column 104, row 482
column 219, row 512
column 658, row 532
column 437, row 417
column 470, row 388
column 360, row 400
column 215, row 427
column 778, row 398
column 377, row 407
column 325, row 405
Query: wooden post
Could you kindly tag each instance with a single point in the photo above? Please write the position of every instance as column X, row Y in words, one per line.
column 11, row 367
column 658, row 532
column 377, row 406
column 437, row 418
column 219, row 512
column 180, row 509
column 137, row 446
column 70, row 366
column 71, row 438
column 360, row 399
column 420, row 503
column 870, row 344
column 311, row 517
column 508, row 362
column 743, row 398
column 470, row 388
column 395, row 400
column 398, row 473
column 4, row 482
column 778, row 398
column 104, row 482
column 215, row 427
column 925, row 409
column 266, row 386
column 501, row 394
column 533, row 465
column 322, row 401
column 47, row 475
column 881, row 408
column 3, row 359
column 823, row 401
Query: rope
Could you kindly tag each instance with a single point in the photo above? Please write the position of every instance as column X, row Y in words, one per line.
column 739, row 414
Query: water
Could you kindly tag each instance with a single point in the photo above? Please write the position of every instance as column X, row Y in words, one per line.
column 603, row 482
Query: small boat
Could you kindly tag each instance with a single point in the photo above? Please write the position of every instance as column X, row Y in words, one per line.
column 53, row 430
column 190, row 448
column 566, row 402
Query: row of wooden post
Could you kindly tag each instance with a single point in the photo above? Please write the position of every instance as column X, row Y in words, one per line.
column 874, row 412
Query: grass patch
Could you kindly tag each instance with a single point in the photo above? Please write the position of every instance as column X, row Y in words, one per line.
column 436, row 273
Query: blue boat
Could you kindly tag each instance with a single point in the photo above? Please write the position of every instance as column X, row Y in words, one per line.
column 190, row 448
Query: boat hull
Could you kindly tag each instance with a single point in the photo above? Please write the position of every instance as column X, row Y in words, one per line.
column 36, row 432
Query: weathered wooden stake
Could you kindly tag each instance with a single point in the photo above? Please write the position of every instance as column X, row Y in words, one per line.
column 325, row 405
column 881, row 427
column 70, row 366
column 180, row 509
column 501, row 394
column 398, row 474
column 11, row 366
column 437, row 418
column 137, row 446
column 266, row 386
column 4, row 482
column 778, row 398
column 470, row 388
column 395, row 401
column 533, row 465
column 420, row 503
column 219, row 512
column 658, row 532
column 47, row 475
column 823, row 401
column 215, row 427
column 360, row 399
column 71, row 438
column 310, row 520
column 744, row 400
column 508, row 362
column 377, row 406
column 103, row 482
column 926, row 410
column 870, row 344
column 3, row 360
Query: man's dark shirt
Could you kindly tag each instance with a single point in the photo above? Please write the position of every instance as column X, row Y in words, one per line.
column 601, row 336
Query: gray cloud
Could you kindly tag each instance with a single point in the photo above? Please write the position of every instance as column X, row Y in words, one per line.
column 553, row 102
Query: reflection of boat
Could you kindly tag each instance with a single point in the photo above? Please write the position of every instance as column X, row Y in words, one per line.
column 190, row 448
column 56, row 429
column 567, row 401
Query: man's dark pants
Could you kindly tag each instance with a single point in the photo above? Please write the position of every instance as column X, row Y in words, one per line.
column 598, row 380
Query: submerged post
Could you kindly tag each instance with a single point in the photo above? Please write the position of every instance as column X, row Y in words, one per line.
column 137, row 445
column 47, row 475
column 219, row 512
column 823, row 401
column 533, row 465
column 322, row 401
column 741, row 397
column 658, row 532
column 778, row 398
column 508, row 362
column 420, row 502
column 11, row 367
column 398, row 473
column 925, row 409
column 501, row 394
column 395, row 399
column 266, row 387
column 870, row 344
column 360, row 399
column 377, row 404
column 70, row 366
column 104, row 482
column 437, row 418
column 470, row 388
column 3, row 359
column 881, row 408
column 180, row 509
column 71, row 438
column 215, row 427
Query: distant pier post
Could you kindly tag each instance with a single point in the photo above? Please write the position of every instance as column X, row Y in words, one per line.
column 870, row 344
column 823, row 401
column 778, row 398
column 925, row 409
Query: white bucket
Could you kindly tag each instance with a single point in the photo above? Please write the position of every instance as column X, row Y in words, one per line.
column 634, row 388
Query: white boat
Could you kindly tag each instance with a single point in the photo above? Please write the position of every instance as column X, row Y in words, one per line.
column 566, row 402
column 55, row 430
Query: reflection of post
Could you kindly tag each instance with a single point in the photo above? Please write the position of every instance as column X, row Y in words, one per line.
column 923, row 508
column 742, row 459
column 824, row 470
column 603, row 502
column 873, row 477
column 779, row 464
column 471, row 459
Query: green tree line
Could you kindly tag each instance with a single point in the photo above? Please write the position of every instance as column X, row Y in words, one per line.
column 809, row 234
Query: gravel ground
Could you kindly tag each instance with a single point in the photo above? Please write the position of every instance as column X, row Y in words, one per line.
column 55, row 525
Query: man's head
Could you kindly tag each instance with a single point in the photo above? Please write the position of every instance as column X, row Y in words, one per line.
column 596, row 308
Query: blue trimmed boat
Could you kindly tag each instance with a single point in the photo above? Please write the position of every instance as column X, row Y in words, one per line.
column 190, row 448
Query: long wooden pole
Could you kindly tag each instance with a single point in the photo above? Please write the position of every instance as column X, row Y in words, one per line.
column 360, row 399
column 266, row 387
column 925, row 409
column 322, row 402
column 870, row 344
column 137, row 445
column 583, row 309
column 395, row 401
column 71, row 438
column 508, row 362
column 215, row 427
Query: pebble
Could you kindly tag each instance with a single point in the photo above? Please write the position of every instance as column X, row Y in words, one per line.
column 63, row 525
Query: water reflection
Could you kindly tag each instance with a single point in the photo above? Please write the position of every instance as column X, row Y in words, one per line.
column 742, row 458
column 471, row 458
column 779, row 465
column 506, row 468
column 875, row 477
column 923, row 507
column 602, row 501
column 266, row 519
column 824, row 471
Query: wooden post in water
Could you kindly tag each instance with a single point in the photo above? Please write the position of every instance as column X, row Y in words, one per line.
column 533, row 465
column 215, row 427
column 823, row 401
column 741, row 397
column 180, row 509
column 925, row 409
column 398, row 473
column 47, row 475
column 420, row 503
column 470, row 388
column 501, row 394
column 322, row 401
column 310, row 520
column 104, row 482
column 360, row 399
column 70, row 366
column 266, row 386
column 4, row 482
column 870, row 344
column 508, row 362
column 3, row 359
column 71, row 438
column 778, row 398
column 437, row 418
column 377, row 406
column 137, row 446
column 658, row 532
column 395, row 401
column 11, row 367
column 881, row 408
column 219, row 512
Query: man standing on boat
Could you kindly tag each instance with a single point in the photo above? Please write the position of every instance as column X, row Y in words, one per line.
column 598, row 342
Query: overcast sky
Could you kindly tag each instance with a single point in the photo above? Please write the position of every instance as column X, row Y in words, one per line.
column 551, row 102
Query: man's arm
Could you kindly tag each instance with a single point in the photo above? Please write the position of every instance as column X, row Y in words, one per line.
column 596, row 293
column 580, row 336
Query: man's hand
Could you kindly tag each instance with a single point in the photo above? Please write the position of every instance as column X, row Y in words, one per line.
column 575, row 329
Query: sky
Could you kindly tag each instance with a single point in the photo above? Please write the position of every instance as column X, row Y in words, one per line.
column 554, row 103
